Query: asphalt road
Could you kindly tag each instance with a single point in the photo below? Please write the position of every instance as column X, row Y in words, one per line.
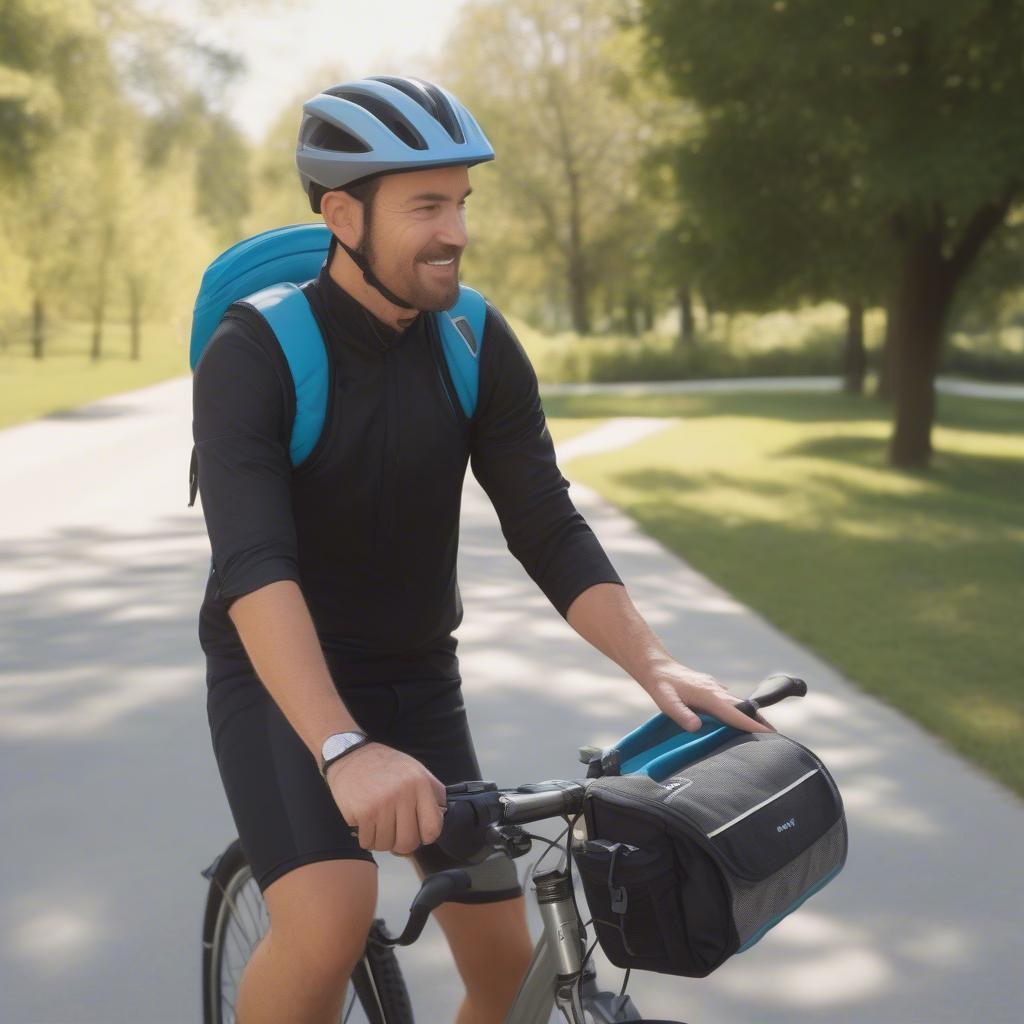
column 111, row 803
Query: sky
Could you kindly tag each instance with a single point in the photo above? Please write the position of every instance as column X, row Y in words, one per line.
column 285, row 47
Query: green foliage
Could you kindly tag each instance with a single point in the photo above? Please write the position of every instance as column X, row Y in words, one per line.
column 51, row 54
column 561, row 214
column 222, row 177
column 822, row 122
column 103, row 202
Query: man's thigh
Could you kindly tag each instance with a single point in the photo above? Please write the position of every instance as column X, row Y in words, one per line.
column 321, row 912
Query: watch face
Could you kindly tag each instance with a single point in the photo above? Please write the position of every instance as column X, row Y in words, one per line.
column 339, row 743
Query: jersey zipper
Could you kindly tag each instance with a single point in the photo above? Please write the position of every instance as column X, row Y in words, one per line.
column 391, row 450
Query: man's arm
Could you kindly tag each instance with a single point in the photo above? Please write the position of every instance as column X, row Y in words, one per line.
column 392, row 798
column 241, row 419
column 605, row 616
column 277, row 631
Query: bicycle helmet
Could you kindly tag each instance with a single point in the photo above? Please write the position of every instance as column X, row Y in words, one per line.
column 381, row 125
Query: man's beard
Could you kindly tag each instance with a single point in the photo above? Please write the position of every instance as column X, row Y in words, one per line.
column 423, row 298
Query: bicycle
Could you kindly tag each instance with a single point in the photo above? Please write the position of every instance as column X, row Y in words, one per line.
column 479, row 819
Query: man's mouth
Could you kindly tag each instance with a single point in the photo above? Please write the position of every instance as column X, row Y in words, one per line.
column 440, row 263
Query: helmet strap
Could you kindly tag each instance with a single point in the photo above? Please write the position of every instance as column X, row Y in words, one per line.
column 371, row 278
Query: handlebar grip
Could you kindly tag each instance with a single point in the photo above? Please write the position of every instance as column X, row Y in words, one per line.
column 459, row 835
column 776, row 687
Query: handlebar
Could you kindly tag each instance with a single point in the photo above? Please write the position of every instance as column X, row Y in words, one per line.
column 481, row 819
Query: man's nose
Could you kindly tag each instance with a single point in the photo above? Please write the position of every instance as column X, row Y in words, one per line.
column 453, row 229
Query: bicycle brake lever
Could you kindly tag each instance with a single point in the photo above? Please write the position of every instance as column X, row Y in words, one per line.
column 435, row 890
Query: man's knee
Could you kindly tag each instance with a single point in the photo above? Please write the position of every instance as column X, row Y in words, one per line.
column 491, row 945
column 320, row 915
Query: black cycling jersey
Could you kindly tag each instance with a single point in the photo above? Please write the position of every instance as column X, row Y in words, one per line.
column 368, row 523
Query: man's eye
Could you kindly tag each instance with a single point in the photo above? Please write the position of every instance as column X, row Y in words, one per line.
column 432, row 206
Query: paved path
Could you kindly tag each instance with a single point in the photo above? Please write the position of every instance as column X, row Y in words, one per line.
column 111, row 802
column 945, row 385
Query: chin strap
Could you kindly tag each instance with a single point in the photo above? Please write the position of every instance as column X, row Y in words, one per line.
column 371, row 278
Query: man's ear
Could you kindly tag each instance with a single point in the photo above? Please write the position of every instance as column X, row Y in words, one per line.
column 343, row 215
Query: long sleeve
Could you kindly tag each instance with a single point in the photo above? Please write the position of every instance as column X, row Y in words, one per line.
column 242, row 405
column 513, row 458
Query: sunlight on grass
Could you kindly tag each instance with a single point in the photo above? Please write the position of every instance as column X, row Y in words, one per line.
column 67, row 377
column 909, row 582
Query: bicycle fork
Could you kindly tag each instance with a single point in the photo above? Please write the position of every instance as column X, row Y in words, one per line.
column 558, row 973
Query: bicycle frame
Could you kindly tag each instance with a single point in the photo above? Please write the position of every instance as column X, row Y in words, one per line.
column 557, row 976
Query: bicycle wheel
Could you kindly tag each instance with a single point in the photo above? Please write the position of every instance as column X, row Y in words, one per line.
column 378, row 983
column 235, row 920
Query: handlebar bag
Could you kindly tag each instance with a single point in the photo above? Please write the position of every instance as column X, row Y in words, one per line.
column 683, row 872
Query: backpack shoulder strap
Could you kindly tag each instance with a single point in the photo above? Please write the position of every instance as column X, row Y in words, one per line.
column 287, row 311
column 462, row 334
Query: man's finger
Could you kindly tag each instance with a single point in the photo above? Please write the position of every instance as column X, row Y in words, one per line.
column 428, row 815
column 440, row 793
column 683, row 716
column 367, row 833
column 407, row 833
column 727, row 712
column 385, row 836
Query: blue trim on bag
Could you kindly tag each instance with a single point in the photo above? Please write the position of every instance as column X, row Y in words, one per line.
column 661, row 746
column 764, row 929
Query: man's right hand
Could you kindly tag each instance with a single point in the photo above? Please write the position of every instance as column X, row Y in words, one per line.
column 393, row 800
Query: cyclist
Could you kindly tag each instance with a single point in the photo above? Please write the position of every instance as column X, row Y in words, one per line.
column 329, row 612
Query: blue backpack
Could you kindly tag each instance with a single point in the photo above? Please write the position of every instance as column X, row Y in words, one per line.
column 265, row 272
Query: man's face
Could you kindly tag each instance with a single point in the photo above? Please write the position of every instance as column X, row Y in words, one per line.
column 417, row 233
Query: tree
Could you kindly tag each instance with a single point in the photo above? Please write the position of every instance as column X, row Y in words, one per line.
column 541, row 80
column 165, row 244
column 913, row 107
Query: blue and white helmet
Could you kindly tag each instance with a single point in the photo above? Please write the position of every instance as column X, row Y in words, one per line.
column 375, row 125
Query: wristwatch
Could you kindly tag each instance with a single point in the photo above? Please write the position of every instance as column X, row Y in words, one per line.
column 336, row 746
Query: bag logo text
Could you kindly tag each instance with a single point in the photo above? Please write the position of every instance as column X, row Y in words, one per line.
column 786, row 824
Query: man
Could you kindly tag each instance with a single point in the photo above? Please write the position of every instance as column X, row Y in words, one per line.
column 329, row 613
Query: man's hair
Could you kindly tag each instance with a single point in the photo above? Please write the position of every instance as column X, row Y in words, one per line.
column 364, row 190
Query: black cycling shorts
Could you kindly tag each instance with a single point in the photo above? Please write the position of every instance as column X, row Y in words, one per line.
column 285, row 814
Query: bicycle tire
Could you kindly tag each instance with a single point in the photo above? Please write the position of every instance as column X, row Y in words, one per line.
column 379, row 983
column 233, row 894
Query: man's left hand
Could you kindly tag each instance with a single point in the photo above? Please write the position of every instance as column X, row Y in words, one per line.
column 681, row 692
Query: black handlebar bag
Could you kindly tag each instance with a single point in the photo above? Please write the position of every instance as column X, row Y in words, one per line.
column 683, row 872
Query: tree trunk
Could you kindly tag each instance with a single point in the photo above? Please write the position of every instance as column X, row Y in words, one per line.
column 38, row 327
column 923, row 302
column 578, row 289
column 648, row 311
column 928, row 281
column 632, row 313
column 135, row 308
column 97, row 326
column 99, row 308
column 686, row 324
column 883, row 389
column 709, row 314
column 854, row 356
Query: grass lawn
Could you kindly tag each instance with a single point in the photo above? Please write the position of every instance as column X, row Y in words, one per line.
column 67, row 377
column 910, row 583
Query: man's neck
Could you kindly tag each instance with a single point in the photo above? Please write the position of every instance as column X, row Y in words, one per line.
column 349, row 277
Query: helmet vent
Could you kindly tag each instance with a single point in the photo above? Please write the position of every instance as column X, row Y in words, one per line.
column 384, row 113
column 329, row 136
column 431, row 99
